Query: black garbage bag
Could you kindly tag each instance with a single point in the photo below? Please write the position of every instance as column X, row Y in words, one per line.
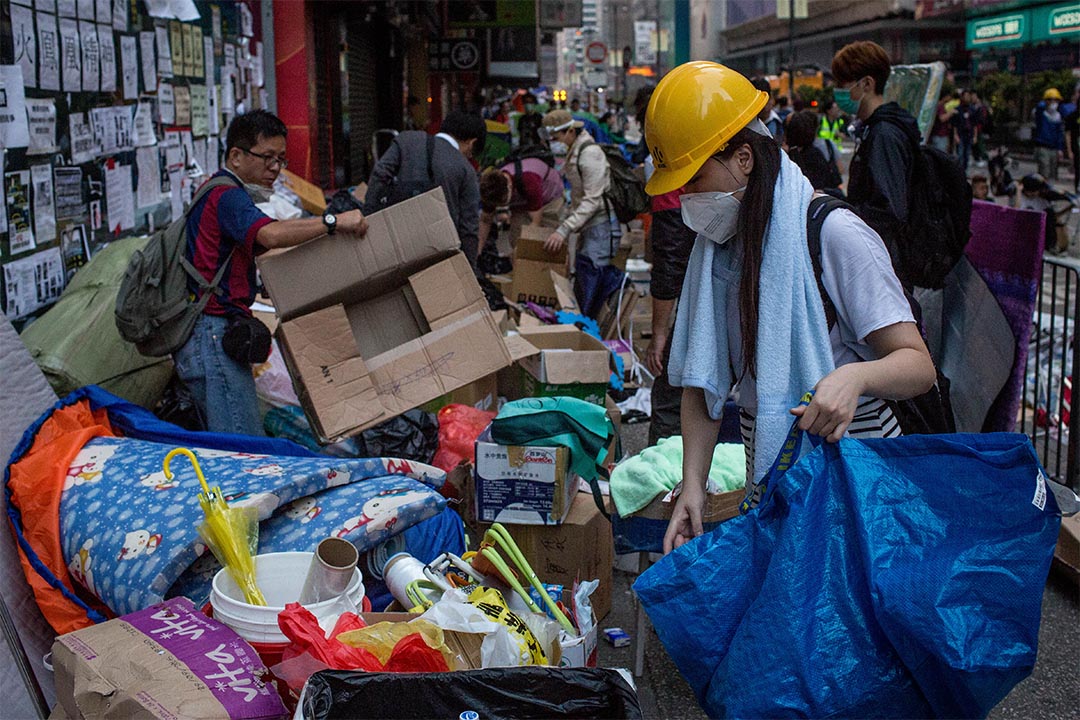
column 342, row 202
column 177, row 405
column 413, row 435
column 519, row 693
column 490, row 262
column 495, row 299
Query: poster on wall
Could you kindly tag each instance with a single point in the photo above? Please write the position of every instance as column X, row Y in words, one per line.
column 41, row 118
column 67, row 185
column 148, row 59
column 166, row 104
column 74, row 249
column 107, row 53
column 32, row 283
column 41, row 180
column 129, row 66
column 70, row 55
column 48, row 53
column 182, row 96
column 164, row 53
column 91, row 56
column 24, row 43
column 176, row 46
column 200, row 111
column 17, row 192
column 83, row 146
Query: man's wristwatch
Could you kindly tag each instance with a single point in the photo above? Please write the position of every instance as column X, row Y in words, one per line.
column 330, row 221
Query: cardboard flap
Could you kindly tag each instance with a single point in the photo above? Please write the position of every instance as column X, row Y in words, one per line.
column 567, row 356
column 564, row 291
column 445, row 288
column 530, row 246
column 345, row 268
column 519, row 348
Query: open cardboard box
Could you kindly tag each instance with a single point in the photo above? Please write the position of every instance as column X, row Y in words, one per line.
column 534, row 267
column 374, row 326
column 557, row 360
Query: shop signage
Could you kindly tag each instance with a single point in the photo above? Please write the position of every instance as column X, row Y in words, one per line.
column 1049, row 23
column 454, row 55
column 999, row 30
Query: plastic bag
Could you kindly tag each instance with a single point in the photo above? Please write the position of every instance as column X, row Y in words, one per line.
column 459, row 426
column 499, row 649
column 413, row 435
column 876, row 578
column 521, row 693
column 272, row 381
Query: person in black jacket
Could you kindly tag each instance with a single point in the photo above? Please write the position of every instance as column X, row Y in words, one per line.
column 803, row 148
column 879, row 180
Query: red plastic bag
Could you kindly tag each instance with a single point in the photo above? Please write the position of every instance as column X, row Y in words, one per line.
column 459, row 426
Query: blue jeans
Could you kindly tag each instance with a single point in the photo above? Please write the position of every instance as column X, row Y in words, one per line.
column 963, row 152
column 223, row 388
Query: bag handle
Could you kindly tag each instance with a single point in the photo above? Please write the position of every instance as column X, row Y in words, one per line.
column 788, row 456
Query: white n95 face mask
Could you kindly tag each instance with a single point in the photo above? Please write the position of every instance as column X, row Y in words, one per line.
column 712, row 215
column 558, row 148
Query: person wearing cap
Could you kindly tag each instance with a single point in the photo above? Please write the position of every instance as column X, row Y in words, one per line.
column 587, row 169
column 1049, row 134
column 752, row 317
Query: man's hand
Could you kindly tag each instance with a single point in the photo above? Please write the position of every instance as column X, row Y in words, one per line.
column 352, row 221
column 654, row 355
column 554, row 242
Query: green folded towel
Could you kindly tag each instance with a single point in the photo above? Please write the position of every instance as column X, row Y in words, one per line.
column 636, row 481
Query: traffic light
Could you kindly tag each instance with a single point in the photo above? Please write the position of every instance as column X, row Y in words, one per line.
column 559, row 96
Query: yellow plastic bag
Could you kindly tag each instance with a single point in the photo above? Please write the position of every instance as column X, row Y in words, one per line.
column 490, row 602
column 380, row 639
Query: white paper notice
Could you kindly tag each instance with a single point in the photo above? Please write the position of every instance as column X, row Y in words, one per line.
column 144, row 124
column 208, row 58
column 70, row 55
column 257, row 66
column 22, row 33
column 14, row 131
column 214, row 109
column 164, row 54
column 212, row 146
column 148, row 189
column 200, row 111
column 91, row 56
column 41, row 116
column 67, row 182
column 125, row 127
column 3, row 198
column 119, row 198
column 65, row 8
column 119, row 15
column 184, row 10
column 44, row 211
column 107, row 50
column 199, row 155
column 33, row 282
column 83, row 146
column 176, row 202
column 149, row 61
column 182, row 94
column 48, row 52
column 17, row 192
column 104, row 130
column 129, row 66
column 103, row 11
column 86, row 9
column 197, row 52
column 166, row 104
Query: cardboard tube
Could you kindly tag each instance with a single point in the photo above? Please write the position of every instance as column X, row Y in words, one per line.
column 330, row 572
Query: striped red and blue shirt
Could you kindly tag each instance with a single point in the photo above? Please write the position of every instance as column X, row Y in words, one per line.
column 226, row 220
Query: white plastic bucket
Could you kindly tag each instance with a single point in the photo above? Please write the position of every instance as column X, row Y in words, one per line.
column 281, row 579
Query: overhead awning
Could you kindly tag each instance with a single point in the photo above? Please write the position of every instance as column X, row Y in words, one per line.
column 1048, row 23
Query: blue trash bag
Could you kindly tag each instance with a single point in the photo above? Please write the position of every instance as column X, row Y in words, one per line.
column 875, row 578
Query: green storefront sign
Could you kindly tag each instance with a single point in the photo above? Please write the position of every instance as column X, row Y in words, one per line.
column 1049, row 23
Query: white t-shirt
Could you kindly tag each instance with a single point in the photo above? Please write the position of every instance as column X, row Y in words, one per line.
column 859, row 279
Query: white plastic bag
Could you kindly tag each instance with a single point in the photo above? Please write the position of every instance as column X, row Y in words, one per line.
column 451, row 612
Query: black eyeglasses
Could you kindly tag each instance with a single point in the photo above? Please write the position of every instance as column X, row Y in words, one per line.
column 270, row 160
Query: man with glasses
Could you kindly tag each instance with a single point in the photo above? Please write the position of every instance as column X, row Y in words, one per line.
column 226, row 229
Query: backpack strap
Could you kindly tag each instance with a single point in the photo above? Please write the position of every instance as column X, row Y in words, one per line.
column 430, row 153
column 519, row 181
column 815, row 218
column 206, row 290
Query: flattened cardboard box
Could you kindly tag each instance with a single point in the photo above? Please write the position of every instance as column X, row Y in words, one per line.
column 312, row 198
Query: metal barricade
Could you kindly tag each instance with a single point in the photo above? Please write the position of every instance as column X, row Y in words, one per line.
column 1053, row 355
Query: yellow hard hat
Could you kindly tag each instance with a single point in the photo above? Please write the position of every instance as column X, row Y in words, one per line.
column 1052, row 94
column 695, row 109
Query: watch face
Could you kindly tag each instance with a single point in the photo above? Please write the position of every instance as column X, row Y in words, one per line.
column 330, row 219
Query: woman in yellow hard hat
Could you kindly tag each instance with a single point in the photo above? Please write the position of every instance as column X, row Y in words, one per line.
column 754, row 316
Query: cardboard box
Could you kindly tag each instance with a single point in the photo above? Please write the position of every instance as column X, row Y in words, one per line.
column 522, row 484
column 311, row 197
column 167, row 661
column 483, row 394
column 374, row 326
column 579, row 651
column 1068, row 545
column 579, row 548
column 644, row 530
column 567, row 362
column 533, row 266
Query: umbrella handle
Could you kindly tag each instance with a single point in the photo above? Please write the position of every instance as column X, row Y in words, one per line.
column 194, row 461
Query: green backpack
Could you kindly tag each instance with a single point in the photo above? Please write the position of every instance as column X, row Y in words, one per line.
column 154, row 309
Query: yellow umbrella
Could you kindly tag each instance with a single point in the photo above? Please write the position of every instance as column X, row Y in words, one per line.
column 232, row 534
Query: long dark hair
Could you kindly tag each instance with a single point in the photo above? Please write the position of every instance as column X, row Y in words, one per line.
column 754, row 214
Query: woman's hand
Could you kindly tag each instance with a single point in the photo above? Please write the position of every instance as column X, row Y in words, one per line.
column 833, row 406
column 685, row 524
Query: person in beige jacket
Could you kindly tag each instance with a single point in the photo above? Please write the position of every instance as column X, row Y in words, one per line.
column 586, row 167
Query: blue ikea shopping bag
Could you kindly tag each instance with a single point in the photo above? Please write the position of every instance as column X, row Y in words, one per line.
column 875, row 578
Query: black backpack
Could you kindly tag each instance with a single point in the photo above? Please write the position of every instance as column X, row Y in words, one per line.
column 926, row 414
column 926, row 247
column 396, row 190
column 626, row 194
column 155, row 309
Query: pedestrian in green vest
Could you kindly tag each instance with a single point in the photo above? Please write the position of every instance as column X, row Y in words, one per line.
column 831, row 123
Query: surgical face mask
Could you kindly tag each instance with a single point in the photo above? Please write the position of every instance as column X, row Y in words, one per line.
column 845, row 102
column 712, row 215
column 258, row 193
column 1052, row 106
column 558, row 147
